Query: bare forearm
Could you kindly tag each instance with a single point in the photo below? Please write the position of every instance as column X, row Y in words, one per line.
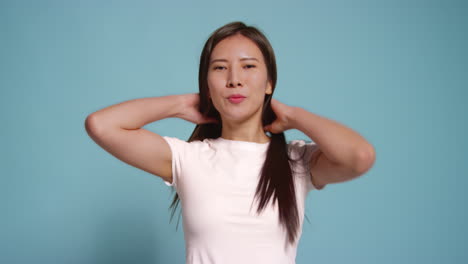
column 136, row 113
column 339, row 143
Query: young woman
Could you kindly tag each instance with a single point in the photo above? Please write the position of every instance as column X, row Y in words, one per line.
column 243, row 191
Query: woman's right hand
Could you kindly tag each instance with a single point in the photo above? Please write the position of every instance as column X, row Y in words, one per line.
column 190, row 110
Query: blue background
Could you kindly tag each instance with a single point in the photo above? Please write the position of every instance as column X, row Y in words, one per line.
column 395, row 71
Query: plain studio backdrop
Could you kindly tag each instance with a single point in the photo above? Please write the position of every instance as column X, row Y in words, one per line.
column 395, row 71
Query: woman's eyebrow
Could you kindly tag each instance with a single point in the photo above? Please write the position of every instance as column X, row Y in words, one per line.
column 243, row 59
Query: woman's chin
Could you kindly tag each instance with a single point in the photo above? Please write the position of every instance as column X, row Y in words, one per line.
column 235, row 117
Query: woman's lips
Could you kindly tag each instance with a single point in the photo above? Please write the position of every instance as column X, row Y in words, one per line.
column 236, row 100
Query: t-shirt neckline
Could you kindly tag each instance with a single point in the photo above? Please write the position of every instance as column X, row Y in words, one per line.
column 242, row 144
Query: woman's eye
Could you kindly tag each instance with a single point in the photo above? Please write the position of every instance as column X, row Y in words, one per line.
column 221, row 67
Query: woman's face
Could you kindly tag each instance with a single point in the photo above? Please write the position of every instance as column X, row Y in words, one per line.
column 237, row 67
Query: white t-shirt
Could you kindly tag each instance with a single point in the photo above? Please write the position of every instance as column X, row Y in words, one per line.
column 216, row 181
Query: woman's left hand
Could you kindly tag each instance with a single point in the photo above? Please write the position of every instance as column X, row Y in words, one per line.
column 283, row 117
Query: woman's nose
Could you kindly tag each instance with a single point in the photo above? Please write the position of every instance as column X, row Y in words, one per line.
column 233, row 79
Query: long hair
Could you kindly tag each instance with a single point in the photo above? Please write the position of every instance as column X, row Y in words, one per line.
column 276, row 179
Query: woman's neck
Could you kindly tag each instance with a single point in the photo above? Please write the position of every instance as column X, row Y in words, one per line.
column 251, row 135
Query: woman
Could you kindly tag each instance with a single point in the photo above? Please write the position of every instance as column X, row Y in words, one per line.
column 229, row 161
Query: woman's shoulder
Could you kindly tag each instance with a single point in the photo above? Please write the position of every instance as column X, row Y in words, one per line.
column 182, row 143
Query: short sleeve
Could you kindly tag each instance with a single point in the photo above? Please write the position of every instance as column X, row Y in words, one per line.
column 301, row 152
column 178, row 149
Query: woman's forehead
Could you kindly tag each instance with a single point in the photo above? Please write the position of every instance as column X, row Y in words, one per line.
column 236, row 48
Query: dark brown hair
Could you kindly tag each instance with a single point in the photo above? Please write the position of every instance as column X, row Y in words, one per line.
column 276, row 176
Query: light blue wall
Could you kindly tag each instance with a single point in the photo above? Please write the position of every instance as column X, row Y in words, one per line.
column 395, row 71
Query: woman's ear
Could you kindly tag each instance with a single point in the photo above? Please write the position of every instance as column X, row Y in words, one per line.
column 269, row 89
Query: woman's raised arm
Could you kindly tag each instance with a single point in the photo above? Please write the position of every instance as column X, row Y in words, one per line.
column 118, row 130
